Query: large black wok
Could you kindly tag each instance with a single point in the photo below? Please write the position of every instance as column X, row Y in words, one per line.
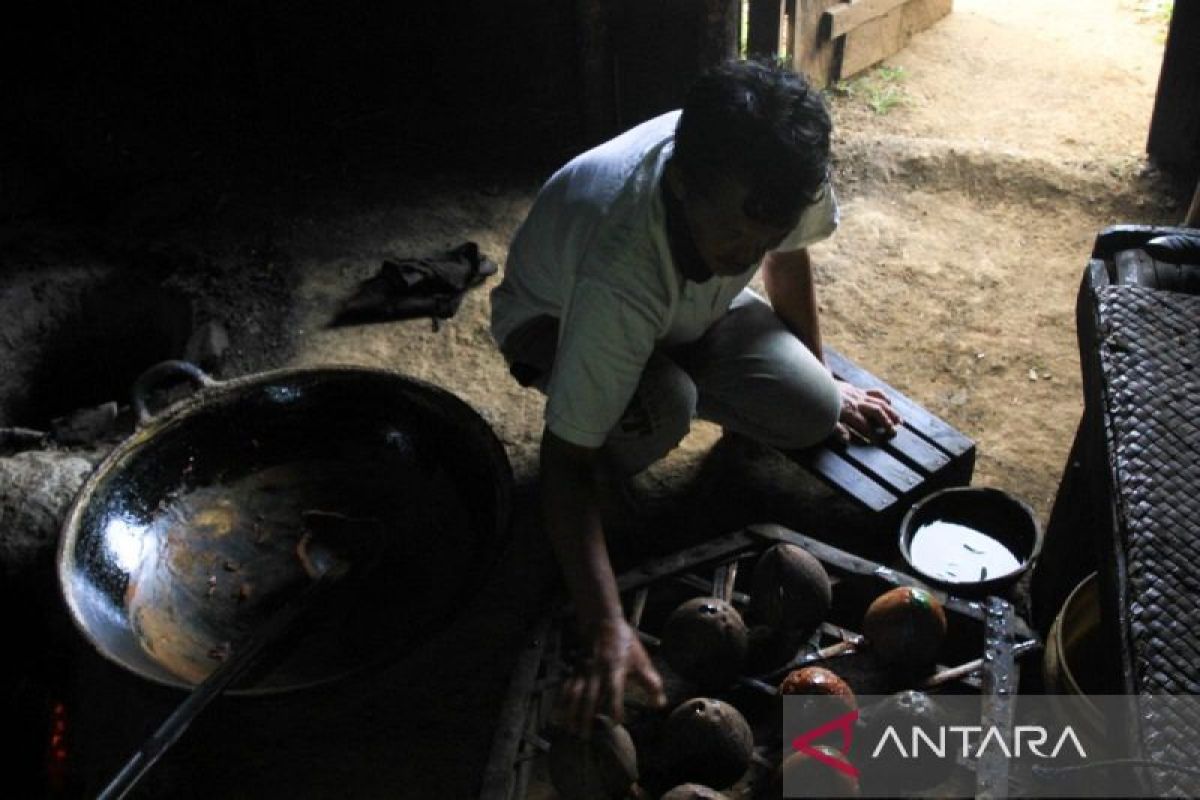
column 191, row 533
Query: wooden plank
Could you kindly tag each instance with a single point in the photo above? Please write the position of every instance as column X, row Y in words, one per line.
column 879, row 38
column 892, row 474
column 763, row 27
column 916, row 418
column 498, row 773
column 916, row 452
column 845, row 17
column 814, row 54
column 722, row 547
column 827, row 553
column 832, row 468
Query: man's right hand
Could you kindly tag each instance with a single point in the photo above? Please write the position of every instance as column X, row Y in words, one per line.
column 865, row 413
column 612, row 652
column 616, row 656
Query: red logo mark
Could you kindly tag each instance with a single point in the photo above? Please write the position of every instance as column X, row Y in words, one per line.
column 803, row 743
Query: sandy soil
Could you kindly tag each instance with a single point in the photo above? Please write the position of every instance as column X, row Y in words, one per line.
column 968, row 210
column 968, row 214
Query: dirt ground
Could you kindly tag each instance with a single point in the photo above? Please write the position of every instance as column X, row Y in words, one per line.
column 970, row 210
column 968, row 213
column 1011, row 134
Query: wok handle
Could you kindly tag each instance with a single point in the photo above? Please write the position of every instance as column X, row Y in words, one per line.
column 160, row 373
column 282, row 623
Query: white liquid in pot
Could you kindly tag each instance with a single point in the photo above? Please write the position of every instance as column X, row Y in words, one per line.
column 958, row 554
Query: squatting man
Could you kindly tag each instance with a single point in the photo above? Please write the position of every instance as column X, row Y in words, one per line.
column 625, row 301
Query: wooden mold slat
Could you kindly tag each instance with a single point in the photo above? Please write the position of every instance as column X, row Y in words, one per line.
column 763, row 27
column 882, row 466
column 916, row 452
column 843, row 18
column 916, row 418
column 847, row 477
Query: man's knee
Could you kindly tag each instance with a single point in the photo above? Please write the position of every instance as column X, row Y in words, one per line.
column 809, row 418
column 658, row 417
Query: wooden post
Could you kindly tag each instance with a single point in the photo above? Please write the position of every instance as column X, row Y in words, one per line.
column 815, row 55
column 719, row 32
column 1174, row 141
column 1192, row 220
column 660, row 47
column 763, row 27
column 787, row 42
column 594, row 19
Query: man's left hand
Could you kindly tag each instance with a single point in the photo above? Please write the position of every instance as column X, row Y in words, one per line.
column 867, row 415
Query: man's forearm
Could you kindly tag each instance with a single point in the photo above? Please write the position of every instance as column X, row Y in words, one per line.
column 572, row 519
column 789, row 282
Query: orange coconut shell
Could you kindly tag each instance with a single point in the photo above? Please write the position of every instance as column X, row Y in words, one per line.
column 905, row 627
column 817, row 778
column 819, row 681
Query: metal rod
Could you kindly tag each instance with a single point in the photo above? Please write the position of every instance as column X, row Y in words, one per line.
column 639, row 607
column 999, row 689
column 716, row 586
column 649, row 639
column 849, row 644
column 698, row 583
column 963, row 670
column 498, row 775
column 730, row 576
column 242, row 659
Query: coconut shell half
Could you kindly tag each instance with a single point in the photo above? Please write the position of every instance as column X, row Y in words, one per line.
column 790, row 590
column 707, row 741
column 704, row 640
column 694, row 791
column 905, row 627
column 602, row 767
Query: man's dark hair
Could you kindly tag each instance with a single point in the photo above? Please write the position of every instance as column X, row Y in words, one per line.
column 760, row 124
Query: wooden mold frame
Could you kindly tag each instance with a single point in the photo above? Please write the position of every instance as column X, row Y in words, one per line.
column 925, row 455
column 542, row 665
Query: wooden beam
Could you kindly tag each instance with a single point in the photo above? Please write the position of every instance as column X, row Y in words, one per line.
column 596, row 69
column 843, row 18
column 814, row 55
column 1174, row 141
column 879, row 38
column 1192, row 220
column 718, row 29
column 834, row 469
column 763, row 26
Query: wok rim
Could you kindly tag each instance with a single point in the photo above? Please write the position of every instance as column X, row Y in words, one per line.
column 176, row 415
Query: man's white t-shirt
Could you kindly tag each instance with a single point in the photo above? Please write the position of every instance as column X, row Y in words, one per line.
column 593, row 253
